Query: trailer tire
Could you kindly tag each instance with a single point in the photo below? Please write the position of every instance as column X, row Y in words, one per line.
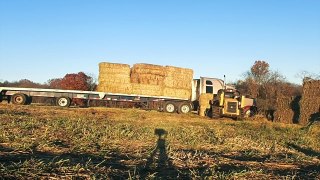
column 19, row 99
column 29, row 100
column 170, row 107
column 63, row 101
column 184, row 108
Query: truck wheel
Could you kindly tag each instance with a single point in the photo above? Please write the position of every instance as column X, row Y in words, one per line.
column 170, row 107
column 29, row 100
column 19, row 98
column 184, row 108
column 250, row 112
column 63, row 101
column 215, row 112
column 247, row 114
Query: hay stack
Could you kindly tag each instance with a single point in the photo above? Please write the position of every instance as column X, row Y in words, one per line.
column 310, row 101
column 147, row 89
column 177, row 82
column 204, row 104
column 147, row 74
column 284, row 112
column 145, row 79
column 114, row 78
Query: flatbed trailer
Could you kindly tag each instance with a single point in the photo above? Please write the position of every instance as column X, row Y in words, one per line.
column 64, row 98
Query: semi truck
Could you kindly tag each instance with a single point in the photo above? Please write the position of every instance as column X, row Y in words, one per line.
column 64, row 98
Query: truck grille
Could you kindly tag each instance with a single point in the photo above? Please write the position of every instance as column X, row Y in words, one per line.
column 232, row 107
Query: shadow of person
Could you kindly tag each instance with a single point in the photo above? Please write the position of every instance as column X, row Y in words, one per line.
column 158, row 160
column 295, row 106
column 160, row 151
column 315, row 117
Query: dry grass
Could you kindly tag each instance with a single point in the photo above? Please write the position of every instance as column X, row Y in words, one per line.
column 40, row 142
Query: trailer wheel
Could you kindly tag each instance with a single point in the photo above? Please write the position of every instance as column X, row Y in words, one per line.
column 19, row 98
column 29, row 100
column 63, row 101
column 184, row 108
column 170, row 107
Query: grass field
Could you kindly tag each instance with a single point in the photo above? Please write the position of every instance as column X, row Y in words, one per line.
column 44, row 142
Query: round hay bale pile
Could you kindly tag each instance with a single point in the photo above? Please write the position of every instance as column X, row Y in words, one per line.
column 310, row 101
column 204, row 104
column 284, row 112
column 147, row 74
column 114, row 78
column 177, row 82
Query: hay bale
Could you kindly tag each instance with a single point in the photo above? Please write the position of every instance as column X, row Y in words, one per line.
column 178, row 77
column 147, row 74
column 310, row 101
column 202, row 111
column 204, row 103
column 113, row 65
column 178, row 82
column 146, row 89
column 145, row 79
column 176, row 92
column 171, row 70
column 204, row 99
column 115, row 88
column 114, row 78
column 148, row 69
column 283, row 113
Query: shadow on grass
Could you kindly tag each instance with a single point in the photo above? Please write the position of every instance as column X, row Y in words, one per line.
column 246, row 156
column 92, row 163
column 5, row 149
column 159, row 165
column 306, row 151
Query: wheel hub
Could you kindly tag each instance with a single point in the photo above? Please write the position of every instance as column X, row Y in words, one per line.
column 170, row 107
column 185, row 109
column 18, row 99
column 62, row 102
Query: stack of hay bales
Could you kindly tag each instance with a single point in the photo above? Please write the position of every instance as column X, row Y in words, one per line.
column 147, row 74
column 147, row 79
column 114, row 78
column 284, row 112
column 178, row 82
column 204, row 103
column 310, row 101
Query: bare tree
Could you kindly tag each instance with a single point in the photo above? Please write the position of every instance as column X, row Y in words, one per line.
column 308, row 75
column 266, row 85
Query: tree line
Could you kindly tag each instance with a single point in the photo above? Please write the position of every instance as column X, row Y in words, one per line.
column 72, row 81
column 259, row 82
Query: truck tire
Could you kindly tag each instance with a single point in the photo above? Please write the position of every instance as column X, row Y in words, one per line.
column 184, row 108
column 63, row 101
column 170, row 107
column 29, row 100
column 19, row 99
column 215, row 112
column 250, row 112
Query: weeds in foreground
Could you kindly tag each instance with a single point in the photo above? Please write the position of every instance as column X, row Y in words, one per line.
column 95, row 143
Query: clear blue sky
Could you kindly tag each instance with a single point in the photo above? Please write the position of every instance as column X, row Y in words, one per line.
column 44, row 39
